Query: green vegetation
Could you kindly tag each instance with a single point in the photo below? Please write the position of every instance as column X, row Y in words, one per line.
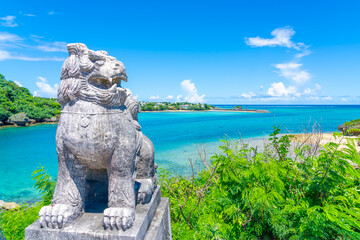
column 13, row 222
column 246, row 194
column 161, row 106
column 238, row 107
column 352, row 127
column 15, row 99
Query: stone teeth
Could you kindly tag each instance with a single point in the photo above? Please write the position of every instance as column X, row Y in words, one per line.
column 113, row 88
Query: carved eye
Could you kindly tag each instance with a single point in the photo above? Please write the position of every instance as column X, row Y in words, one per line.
column 100, row 62
column 115, row 65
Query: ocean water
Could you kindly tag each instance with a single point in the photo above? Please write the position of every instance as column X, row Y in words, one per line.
column 176, row 137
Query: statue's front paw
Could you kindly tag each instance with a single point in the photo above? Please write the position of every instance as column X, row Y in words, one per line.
column 119, row 218
column 55, row 216
column 146, row 191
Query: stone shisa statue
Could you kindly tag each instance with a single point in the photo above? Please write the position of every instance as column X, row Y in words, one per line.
column 104, row 159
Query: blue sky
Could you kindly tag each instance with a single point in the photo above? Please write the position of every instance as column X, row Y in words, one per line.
column 241, row 52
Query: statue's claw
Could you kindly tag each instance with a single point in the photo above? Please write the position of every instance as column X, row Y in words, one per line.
column 119, row 218
column 146, row 191
column 57, row 215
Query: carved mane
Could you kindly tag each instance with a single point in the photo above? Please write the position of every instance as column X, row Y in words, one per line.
column 132, row 105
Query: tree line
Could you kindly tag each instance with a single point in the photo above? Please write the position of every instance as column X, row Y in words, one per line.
column 15, row 99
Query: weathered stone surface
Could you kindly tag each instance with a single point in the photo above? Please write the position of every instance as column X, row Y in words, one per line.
column 146, row 168
column 31, row 121
column 151, row 220
column 19, row 119
column 99, row 143
column 1, row 203
column 1, row 123
column 160, row 228
column 53, row 119
column 341, row 127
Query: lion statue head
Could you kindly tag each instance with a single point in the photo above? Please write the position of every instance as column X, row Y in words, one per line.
column 91, row 76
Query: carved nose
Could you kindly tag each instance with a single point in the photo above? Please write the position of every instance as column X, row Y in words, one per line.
column 125, row 75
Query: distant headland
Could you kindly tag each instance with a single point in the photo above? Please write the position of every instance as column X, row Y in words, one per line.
column 19, row 107
column 186, row 106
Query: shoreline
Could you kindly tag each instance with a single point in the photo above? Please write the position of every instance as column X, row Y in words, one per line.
column 213, row 110
column 31, row 125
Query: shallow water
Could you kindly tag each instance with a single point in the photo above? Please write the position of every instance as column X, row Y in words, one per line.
column 174, row 134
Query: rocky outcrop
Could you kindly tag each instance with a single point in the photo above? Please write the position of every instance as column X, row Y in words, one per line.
column 53, row 119
column 8, row 205
column 351, row 128
column 31, row 121
column 20, row 119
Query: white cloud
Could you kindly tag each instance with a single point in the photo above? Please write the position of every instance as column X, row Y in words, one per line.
column 281, row 38
column 29, row 15
column 308, row 91
column 42, row 79
column 191, row 93
column 304, row 53
column 36, row 36
column 45, row 89
column 293, row 71
column 312, row 98
column 248, row 95
column 51, row 13
column 343, row 99
column 53, row 47
column 8, row 21
column 179, row 98
column 4, row 55
column 18, row 83
column 9, row 38
column 279, row 90
column 328, row 98
column 154, row 97
column 169, row 97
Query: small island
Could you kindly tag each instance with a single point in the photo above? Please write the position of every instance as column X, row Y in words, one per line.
column 176, row 106
column 186, row 106
column 239, row 108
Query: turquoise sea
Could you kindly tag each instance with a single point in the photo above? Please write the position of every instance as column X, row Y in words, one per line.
column 175, row 136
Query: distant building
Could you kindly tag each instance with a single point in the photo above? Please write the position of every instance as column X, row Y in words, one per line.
column 158, row 104
column 186, row 106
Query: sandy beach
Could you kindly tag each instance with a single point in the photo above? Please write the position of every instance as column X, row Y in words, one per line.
column 324, row 138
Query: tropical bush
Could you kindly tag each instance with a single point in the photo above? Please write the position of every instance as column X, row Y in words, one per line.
column 246, row 194
column 13, row 222
column 352, row 127
column 15, row 99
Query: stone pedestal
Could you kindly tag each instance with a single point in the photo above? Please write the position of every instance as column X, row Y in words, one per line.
column 152, row 221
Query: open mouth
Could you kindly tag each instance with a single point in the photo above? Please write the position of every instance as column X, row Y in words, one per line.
column 106, row 83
